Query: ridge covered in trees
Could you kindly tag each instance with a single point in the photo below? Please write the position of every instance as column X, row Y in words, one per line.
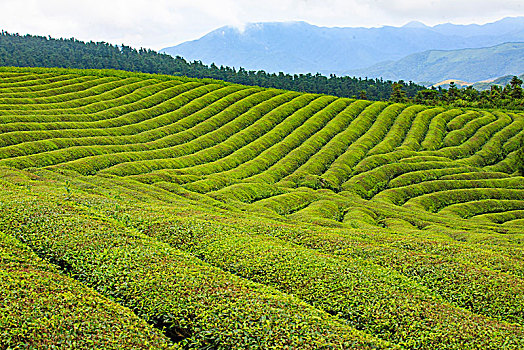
column 39, row 51
column 509, row 97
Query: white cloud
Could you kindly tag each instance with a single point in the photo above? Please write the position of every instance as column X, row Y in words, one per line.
column 159, row 23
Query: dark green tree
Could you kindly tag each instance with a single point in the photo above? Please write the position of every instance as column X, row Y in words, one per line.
column 516, row 87
column 398, row 94
column 495, row 92
column 453, row 92
column 429, row 96
column 470, row 94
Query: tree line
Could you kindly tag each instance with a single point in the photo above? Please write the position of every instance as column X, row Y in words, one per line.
column 39, row 51
column 510, row 96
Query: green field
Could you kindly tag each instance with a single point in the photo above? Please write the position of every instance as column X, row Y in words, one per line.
column 150, row 212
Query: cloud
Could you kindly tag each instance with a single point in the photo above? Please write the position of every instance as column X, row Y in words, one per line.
column 159, row 23
column 463, row 11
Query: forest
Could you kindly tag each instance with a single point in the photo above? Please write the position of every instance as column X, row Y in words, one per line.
column 39, row 51
column 507, row 97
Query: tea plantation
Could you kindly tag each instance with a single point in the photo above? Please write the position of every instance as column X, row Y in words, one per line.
column 151, row 212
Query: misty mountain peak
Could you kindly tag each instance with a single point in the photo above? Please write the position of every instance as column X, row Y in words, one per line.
column 415, row 24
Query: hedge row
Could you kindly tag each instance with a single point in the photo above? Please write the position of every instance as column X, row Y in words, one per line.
column 480, row 207
column 43, row 84
column 55, row 125
column 377, row 160
column 373, row 161
column 107, row 72
column 141, row 135
column 419, row 129
column 281, row 155
column 321, row 160
column 43, row 308
column 434, row 202
column 514, row 223
column 199, row 305
column 103, row 114
column 474, row 175
column 305, row 142
column 459, row 136
column 401, row 195
column 373, row 298
column 83, row 88
column 233, row 129
column 461, row 120
column 168, row 175
column 319, row 211
column 246, row 192
column 259, row 154
column 419, row 176
column 437, row 129
column 69, row 101
column 474, row 143
column 504, row 218
column 374, row 119
column 226, row 120
column 288, row 203
column 469, row 147
column 70, row 82
column 174, row 120
column 369, row 183
column 76, row 152
column 461, row 274
column 398, row 130
column 29, row 79
column 127, row 100
column 496, row 148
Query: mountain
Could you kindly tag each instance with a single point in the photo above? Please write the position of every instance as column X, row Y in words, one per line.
column 501, row 81
column 478, row 85
column 299, row 47
column 470, row 65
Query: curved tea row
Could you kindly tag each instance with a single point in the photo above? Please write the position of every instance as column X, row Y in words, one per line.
column 241, row 217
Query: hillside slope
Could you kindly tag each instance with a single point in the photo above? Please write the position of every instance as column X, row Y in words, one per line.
column 466, row 65
column 501, row 81
column 41, row 51
column 202, row 214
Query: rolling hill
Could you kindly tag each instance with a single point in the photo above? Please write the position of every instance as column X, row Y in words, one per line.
column 478, row 85
column 501, row 81
column 43, row 51
column 150, row 211
column 299, row 47
column 469, row 65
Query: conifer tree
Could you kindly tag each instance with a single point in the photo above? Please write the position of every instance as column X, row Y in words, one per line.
column 516, row 89
column 398, row 95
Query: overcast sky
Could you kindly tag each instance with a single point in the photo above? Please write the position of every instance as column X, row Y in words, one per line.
column 159, row 23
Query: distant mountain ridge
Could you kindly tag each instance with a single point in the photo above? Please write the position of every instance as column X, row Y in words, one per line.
column 469, row 65
column 299, row 47
column 478, row 85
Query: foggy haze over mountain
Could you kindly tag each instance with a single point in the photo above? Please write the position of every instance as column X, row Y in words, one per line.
column 299, row 47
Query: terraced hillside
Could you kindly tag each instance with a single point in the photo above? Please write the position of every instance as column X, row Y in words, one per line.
column 147, row 211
